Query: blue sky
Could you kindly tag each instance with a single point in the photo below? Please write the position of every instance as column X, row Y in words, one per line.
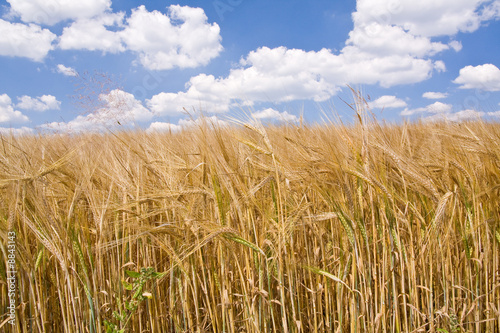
column 78, row 66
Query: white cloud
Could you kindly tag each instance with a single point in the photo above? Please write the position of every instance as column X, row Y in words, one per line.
column 456, row 116
column 186, row 123
column 282, row 75
column 79, row 124
column 388, row 71
column 441, row 111
column 163, row 127
column 121, row 108
column 390, row 44
column 439, row 66
column 15, row 131
column 266, row 74
column 426, row 18
column 384, row 39
column 484, row 77
column 455, row 45
column 435, row 108
column 434, row 95
column 491, row 11
column 53, row 11
column 42, row 103
column 387, row 101
column 409, row 112
column 213, row 120
column 7, row 112
column 91, row 34
column 271, row 113
column 68, row 71
column 20, row 40
column 204, row 93
column 439, row 107
column 405, row 28
column 182, row 38
column 494, row 114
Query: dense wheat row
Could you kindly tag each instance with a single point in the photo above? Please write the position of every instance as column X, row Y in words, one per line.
column 362, row 228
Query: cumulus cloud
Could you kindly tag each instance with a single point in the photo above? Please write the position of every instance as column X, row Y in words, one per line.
column 426, row 18
column 123, row 105
column 440, row 111
column 266, row 74
column 434, row 95
column 54, row 11
column 491, row 11
column 390, row 44
column 86, row 123
column 158, row 126
column 204, row 93
column 182, row 38
column 484, row 77
column 456, row 116
column 16, row 131
column 282, row 75
column 92, row 34
column 185, row 124
column 7, row 112
column 384, row 39
column 495, row 114
column 213, row 120
column 388, row 71
column 273, row 114
column 439, row 107
column 42, row 103
column 121, row 108
column 435, row 108
column 20, row 40
column 68, row 71
column 406, row 28
column 455, row 45
column 387, row 101
column 439, row 66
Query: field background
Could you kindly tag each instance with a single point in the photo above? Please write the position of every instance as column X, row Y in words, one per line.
column 293, row 228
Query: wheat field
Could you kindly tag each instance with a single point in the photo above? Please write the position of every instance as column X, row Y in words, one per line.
column 364, row 227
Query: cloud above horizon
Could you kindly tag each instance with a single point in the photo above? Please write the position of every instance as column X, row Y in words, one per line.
column 42, row 103
column 29, row 41
column 390, row 44
column 8, row 115
column 387, row 101
column 435, row 108
column 483, row 77
column 434, row 95
column 272, row 114
column 67, row 71
column 51, row 12
column 119, row 109
column 180, row 38
column 387, row 46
